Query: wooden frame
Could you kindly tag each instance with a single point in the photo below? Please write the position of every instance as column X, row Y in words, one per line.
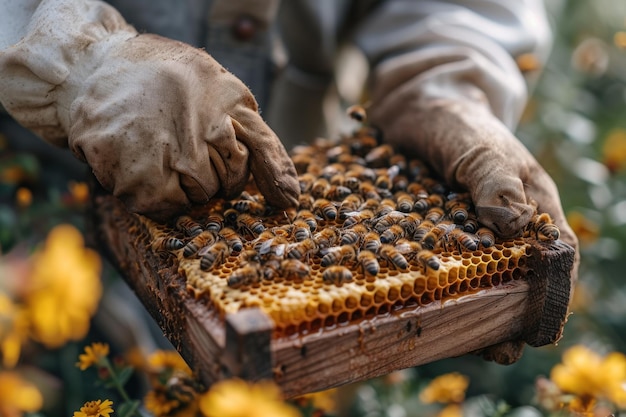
column 495, row 323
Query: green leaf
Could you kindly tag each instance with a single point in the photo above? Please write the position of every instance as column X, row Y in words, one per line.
column 124, row 374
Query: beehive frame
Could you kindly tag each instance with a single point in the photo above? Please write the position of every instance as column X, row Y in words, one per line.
column 479, row 302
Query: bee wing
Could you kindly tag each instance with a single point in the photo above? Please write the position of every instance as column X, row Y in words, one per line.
column 393, row 171
column 280, row 249
column 266, row 247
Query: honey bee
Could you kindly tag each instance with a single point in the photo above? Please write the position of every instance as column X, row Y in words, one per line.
column 410, row 223
column 398, row 160
column 352, row 182
column 302, row 250
column 436, row 234
column 232, row 238
column 400, row 183
column 326, row 237
column 309, row 218
column 393, row 256
column 246, row 222
column 404, row 201
column 383, row 181
column 339, row 254
column 357, row 217
column 408, row 248
column 306, row 201
column 337, row 274
column 293, row 268
column 306, row 181
column 367, row 259
column 301, row 230
column 385, row 207
column 543, row 228
column 230, row 215
column 262, row 238
column 215, row 254
column 388, row 220
column 249, row 206
column 434, row 214
column 337, row 192
column 167, row 244
column 273, row 247
column 428, row 259
column 417, row 169
column 485, row 237
column 379, row 156
column 422, row 229
column 371, row 242
column 463, row 240
column 301, row 162
column 417, row 191
column 392, row 234
column 325, row 208
column 353, row 235
column 357, row 112
column 214, row 223
column 471, row 225
column 320, row 187
column 423, row 204
column 331, row 170
column 205, row 238
column 349, row 204
column 369, row 191
column 188, row 226
column 245, row 275
column 459, row 211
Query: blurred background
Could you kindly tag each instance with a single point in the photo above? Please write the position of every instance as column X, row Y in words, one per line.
column 575, row 125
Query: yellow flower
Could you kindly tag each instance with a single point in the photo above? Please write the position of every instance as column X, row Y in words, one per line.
column 168, row 360
column 23, row 197
column 447, row 388
column 585, row 229
column 157, row 402
column 322, row 400
column 13, row 331
column 17, row 395
column 586, row 374
column 614, row 150
column 93, row 355
column 619, row 39
column 237, row 398
column 583, row 407
column 65, row 288
column 96, row 408
column 451, row 410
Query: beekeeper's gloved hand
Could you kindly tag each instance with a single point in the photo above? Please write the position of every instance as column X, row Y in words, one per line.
column 161, row 123
column 434, row 103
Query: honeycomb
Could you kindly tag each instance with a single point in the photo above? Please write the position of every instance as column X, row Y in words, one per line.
column 374, row 233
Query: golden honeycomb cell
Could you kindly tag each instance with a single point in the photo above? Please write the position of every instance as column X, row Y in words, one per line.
column 373, row 233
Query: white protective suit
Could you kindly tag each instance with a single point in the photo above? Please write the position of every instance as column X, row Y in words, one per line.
column 163, row 125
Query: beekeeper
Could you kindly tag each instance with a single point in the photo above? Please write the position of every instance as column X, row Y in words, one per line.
column 163, row 124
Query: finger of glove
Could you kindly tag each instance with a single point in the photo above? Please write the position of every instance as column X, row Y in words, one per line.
column 274, row 172
column 460, row 142
column 542, row 189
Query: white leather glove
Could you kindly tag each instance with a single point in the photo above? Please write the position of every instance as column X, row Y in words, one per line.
column 435, row 106
column 161, row 123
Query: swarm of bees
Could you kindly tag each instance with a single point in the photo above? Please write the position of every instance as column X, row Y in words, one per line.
column 364, row 212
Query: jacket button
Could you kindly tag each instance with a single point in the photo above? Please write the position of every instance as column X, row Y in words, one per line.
column 244, row 28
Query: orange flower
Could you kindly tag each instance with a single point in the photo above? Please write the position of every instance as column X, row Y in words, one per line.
column 93, row 355
column 79, row 192
column 23, row 197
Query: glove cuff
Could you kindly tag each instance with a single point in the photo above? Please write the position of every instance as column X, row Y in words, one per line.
column 44, row 72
